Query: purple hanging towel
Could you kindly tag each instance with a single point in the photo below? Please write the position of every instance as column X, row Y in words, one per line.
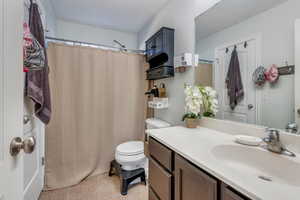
column 37, row 82
column 234, row 81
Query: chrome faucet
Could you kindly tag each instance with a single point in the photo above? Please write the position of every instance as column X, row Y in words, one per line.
column 274, row 144
column 292, row 127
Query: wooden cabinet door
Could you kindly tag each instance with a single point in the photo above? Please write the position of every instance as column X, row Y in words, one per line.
column 159, row 43
column 191, row 183
column 152, row 196
column 160, row 181
column 228, row 194
column 150, row 48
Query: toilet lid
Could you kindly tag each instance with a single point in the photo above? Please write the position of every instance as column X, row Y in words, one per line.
column 131, row 148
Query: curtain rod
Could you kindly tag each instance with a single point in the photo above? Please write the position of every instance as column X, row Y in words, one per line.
column 66, row 41
column 205, row 61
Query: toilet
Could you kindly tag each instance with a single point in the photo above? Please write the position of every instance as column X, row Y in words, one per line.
column 130, row 155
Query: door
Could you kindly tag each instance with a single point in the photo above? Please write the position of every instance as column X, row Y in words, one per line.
column 204, row 74
column 297, row 71
column 247, row 109
column 193, row 184
column 33, row 170
column 33, row 163
column 11, row 98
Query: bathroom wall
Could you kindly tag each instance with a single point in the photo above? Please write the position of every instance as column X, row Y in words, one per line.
column 180, row 16
column 49, row 13
column 276, row 27
column 69, row 30
column 203, row 5
column 87, row 33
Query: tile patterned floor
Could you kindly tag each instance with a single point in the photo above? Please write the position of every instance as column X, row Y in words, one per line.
column 100, row 187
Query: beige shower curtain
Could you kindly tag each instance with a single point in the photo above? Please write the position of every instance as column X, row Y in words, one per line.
column 98, row 102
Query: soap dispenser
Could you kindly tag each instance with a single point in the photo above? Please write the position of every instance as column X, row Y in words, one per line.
column 154, row 91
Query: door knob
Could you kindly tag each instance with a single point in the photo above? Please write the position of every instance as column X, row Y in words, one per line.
column 28, row 145
column 250, row 106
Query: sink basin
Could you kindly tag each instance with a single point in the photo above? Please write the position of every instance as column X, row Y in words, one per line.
column 260, row 163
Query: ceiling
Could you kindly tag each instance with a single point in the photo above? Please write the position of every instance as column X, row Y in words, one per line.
column 124, row 15
column 227, row 13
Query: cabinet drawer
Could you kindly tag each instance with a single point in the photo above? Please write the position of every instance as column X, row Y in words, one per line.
column 160, row 180
column 152, row 196
column 161, row 153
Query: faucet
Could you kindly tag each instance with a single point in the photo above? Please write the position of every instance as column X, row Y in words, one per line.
column 292, row 127
column 274, row 144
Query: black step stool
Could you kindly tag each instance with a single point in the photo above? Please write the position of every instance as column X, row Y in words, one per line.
column 127, row 177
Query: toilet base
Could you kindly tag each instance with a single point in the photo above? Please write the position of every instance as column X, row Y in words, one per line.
column 127, row 177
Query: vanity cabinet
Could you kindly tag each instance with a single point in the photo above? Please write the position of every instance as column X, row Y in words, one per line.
column 191, row 183
column 172, row 177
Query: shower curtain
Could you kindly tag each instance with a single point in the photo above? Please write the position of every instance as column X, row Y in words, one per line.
column 98, row 102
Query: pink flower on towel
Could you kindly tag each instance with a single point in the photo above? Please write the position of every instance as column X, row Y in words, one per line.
column 27, row 35
column 27, row 41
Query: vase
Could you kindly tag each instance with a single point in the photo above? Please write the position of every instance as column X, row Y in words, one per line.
column 191, row 123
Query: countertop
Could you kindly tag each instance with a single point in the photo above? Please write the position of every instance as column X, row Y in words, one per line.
column 197, row 145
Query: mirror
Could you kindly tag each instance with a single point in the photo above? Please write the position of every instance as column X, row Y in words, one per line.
column 263, row 34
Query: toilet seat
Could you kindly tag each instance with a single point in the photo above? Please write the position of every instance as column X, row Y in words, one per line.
column 130, row 148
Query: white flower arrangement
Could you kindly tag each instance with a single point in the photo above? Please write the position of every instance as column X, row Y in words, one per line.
column 210, row 101
column 198, row 98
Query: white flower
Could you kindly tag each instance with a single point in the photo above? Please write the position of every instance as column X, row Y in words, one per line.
column 196, row 92
column 215, row 101
column 198, row 98
column 193, row 99
column 211, row 92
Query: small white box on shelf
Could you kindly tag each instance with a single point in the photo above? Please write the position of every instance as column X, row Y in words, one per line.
column 159, row 103
column 184, row 60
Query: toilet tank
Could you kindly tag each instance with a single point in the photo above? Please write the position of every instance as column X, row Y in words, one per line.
column 153, row 123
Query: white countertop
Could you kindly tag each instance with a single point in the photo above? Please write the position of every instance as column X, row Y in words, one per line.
column 196, row 145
